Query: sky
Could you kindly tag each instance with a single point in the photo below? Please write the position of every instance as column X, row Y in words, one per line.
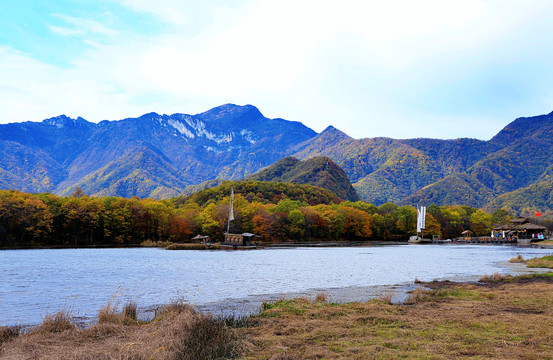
column 396, row 68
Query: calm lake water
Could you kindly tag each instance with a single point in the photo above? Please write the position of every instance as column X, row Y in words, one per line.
column 36, row 282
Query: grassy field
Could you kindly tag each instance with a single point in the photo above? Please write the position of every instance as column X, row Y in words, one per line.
column 509, row 318
column 496, row 318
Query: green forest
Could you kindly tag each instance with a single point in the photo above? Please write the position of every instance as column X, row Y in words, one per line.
column 279, row 212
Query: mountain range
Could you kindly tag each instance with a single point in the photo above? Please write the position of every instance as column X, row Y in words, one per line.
column 163, row 155
column 149, row 156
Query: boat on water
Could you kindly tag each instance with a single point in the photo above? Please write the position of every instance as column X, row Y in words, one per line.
column 244, row 241
column 416, row 239
column 421, row 223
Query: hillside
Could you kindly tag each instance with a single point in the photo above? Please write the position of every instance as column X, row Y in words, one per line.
column 318, row 171
column 388, row 170
column 459, row 171
column 149, row 156
column 264, row 192
column 521, row 157
column 163, row 156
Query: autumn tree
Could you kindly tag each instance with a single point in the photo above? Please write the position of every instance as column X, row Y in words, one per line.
column 480, row 222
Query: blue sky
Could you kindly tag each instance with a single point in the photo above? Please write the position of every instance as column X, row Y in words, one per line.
column 400, row 69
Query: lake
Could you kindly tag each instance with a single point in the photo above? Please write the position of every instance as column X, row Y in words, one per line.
column 36, row 282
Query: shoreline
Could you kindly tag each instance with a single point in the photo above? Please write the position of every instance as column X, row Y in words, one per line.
column 498, row 317
column 343, row 295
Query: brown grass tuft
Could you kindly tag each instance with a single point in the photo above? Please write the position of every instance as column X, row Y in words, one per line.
column 108, row 315
column 321, row 298
column 206, row 337
column 56, row 323
column 175, row 308
column 492, row 278
column 386, row 298
column 7, row 333
column 518, row 259
column 130, row 311
column 418, row 295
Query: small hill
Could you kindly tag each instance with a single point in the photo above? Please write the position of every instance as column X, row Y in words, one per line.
column 318, row 171
column 263, row 191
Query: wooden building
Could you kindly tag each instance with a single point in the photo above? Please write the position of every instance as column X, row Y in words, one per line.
column 245, row 239
column 521, row 228
column 202, row 239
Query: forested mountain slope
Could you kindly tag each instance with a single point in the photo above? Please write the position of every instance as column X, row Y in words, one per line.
column 318, row 171
column 162, row 155
column 149, row 156
column 460, row 171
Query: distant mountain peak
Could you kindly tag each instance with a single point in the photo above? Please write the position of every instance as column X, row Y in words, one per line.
column 232, row 113
column 331, row 131
column 65, row 121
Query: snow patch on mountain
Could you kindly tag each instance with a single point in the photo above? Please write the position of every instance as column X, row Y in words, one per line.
column 181, row 128
column 248, row 135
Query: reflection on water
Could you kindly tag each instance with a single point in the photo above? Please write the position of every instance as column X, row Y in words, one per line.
column 36, row 282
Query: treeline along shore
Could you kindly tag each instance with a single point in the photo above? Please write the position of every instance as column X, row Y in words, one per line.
column 279, row 212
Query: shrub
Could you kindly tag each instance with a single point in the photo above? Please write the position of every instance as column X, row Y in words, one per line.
column 207, row 338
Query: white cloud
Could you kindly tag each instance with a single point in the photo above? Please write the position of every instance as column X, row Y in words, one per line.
column 82, row 25
column 64, row 31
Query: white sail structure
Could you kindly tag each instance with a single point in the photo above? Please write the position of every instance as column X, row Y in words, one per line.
column 421, row 218
column 231, row 209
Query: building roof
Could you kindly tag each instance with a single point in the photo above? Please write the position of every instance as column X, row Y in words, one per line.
column 519, row 220
column 250, row 235
column 520, row 226
column 530, row 226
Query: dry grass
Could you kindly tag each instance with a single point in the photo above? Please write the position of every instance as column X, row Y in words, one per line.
column 418, row 295
column 160, row 244
column 386, row 298
column 321, row 297
column 56, row 323
column 518, row 259
column 510, row 320
column 496, row 277
column 188, row 246
column 179, row 332
column 7, row 333
column 543, row 262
